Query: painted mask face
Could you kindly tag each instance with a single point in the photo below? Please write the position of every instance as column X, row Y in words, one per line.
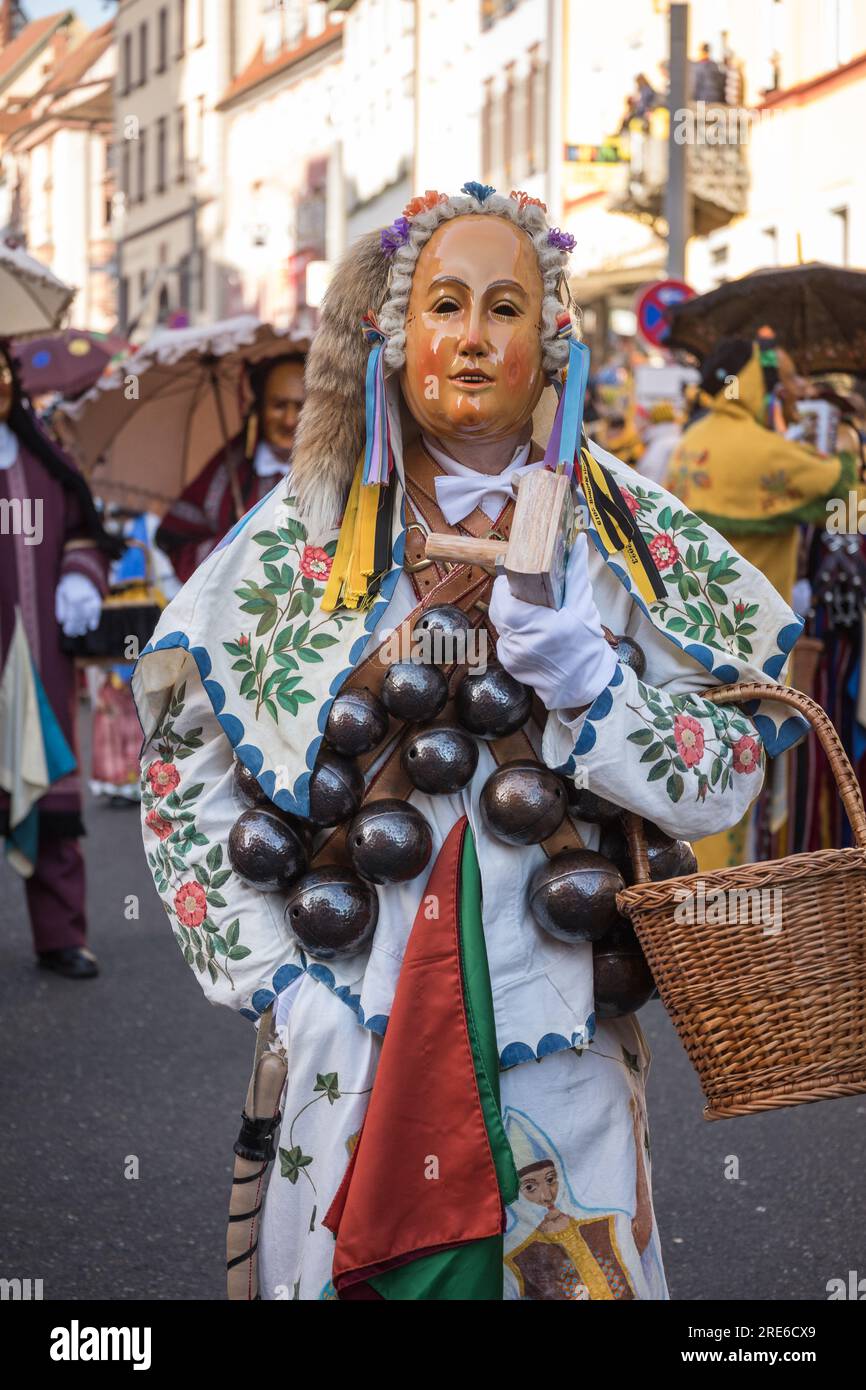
column 473, row 324
column 281, row 407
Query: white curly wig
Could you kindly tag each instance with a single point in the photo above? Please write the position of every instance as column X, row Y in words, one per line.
column 373, row 276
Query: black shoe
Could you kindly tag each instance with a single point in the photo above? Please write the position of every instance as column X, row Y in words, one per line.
column 75, row 962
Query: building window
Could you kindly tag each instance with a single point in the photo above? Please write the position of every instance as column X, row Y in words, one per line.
column 181, row 28
column 161, row 153
column 163, row 39
column 180, row 134
column 199, row 135
column 142, row 54
column 127, row 64
column 508, row 124
column 142, row 284
column 487, row 131
column 837, row 32
column 770, row 237
column 125, row 170
column 142, row 165
column 538, row 113
column 840, row 250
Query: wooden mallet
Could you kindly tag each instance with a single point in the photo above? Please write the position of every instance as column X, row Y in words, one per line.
column 534, row 558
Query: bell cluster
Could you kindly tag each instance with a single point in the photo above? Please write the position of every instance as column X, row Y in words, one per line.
column 332, row 911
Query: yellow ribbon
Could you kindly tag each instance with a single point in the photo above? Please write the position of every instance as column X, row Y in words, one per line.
column 354, row 560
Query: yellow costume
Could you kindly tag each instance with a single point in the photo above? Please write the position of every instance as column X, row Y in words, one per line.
column 755, row 487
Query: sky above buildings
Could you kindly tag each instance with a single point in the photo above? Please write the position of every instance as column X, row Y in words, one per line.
column 92, row 12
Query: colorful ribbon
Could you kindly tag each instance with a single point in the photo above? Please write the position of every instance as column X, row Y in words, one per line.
column 378, row 460
column 564, row 439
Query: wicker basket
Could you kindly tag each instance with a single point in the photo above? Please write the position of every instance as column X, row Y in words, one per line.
column 772, row 1012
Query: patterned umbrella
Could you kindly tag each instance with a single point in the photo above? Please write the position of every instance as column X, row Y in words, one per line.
column 817, row 312
column 144, row 432
column 68, row 363
column 32, row 299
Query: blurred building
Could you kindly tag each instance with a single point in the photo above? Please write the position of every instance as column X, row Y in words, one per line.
column 775, row 99
column 173, row 64
column 56, row 84
column 281, row 220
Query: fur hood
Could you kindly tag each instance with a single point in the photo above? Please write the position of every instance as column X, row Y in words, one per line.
column 331, row 428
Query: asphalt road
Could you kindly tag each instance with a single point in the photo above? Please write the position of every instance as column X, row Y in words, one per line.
column 138, row 1065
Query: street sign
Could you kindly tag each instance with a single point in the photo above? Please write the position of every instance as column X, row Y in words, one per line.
column 652, row 307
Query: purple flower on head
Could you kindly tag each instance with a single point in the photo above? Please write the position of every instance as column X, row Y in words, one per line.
column 563, row 241
column 395, row 236
column 479, row 191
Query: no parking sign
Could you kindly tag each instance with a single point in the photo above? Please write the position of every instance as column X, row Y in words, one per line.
column 653, row 305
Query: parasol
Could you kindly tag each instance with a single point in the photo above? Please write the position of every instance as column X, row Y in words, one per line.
column 817, row 312
column 145, row 431
column 68, row 362
column 32, row 299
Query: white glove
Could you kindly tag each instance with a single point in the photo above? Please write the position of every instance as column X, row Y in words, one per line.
column 77, row 604
column 561, row 653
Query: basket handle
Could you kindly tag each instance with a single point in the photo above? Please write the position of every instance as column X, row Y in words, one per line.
column 843, row 772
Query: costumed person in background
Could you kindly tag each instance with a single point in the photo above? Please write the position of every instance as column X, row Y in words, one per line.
column 53, row 571
column 256, row 459
column 660, row 438
column 829, row 662
column 739, row 469
column 143, row 576
column 445, row 1015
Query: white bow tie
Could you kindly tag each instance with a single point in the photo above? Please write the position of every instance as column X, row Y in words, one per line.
column 459, row 495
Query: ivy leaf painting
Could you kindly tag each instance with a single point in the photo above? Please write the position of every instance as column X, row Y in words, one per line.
column 329, row 1083
column 292, row 1161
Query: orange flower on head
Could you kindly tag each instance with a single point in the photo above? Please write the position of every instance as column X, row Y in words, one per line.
column 424, row 202
column 524, row 200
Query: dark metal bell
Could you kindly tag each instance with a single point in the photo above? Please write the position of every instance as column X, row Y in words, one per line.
column 442, row 627
column 332, row 913
column 336, row 788
column 357, row 722
column 265, row 851
column 247, row 788
column 248, row 791
column 668, row 858
column 573, row 895
column 631, row 654
column 622, row 979
column 491, row 704
column 389, row 841
column 588, row 806
column 440, row 759
column 414, row 692
column 523, row 802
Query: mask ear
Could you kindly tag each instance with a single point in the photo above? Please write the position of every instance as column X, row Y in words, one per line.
column 331, row 428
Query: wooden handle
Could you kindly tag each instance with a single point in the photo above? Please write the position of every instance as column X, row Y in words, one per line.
column 465, row 550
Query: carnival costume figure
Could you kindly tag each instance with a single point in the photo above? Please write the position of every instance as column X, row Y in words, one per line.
column 53, row 577
column 245, row 469
column 392, row 846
